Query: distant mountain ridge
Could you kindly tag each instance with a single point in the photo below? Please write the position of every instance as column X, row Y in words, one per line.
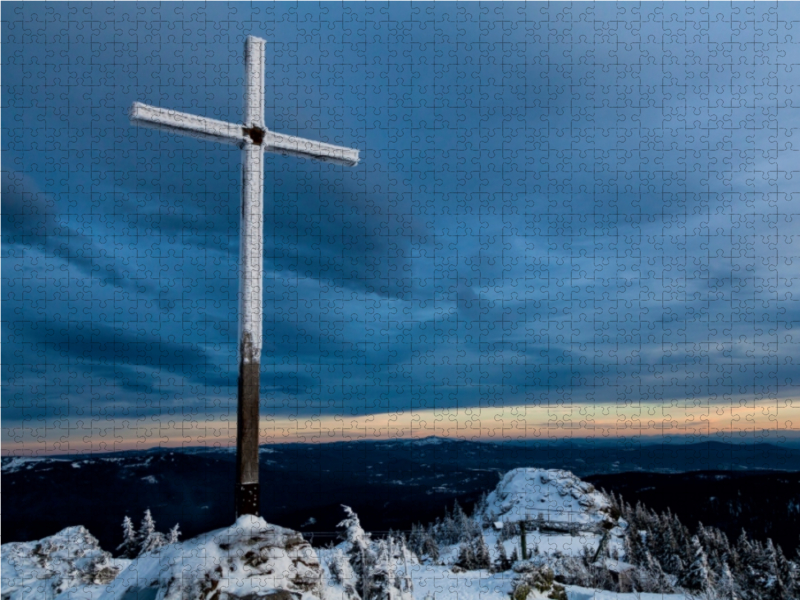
column 406, row 481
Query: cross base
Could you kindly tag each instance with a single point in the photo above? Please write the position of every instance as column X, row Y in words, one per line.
column 247, row 499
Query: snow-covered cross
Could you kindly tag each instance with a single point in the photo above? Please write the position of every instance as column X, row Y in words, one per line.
column 254, row 139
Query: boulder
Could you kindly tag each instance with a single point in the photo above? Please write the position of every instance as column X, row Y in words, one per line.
column 70, row 559
column 550, row 499
column 250, row 560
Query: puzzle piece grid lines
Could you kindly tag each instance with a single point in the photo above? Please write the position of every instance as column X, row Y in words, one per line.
column 569, row 220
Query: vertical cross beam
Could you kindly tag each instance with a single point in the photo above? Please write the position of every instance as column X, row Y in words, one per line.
column 251, row 248
column 254, row 139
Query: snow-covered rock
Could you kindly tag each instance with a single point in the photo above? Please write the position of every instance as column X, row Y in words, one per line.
column 553, row 498
column 251, row 559
column 68, row 560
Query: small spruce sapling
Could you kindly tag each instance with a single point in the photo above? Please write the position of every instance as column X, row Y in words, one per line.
column 174, row 535
column 502, row 563
column 129, row 548
column 149, row 538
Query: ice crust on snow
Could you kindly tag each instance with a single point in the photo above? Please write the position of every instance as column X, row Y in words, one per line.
column 562, row 500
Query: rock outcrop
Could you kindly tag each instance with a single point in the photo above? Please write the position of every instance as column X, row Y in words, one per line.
column 251, row 559
column 56, row 564
column 550, row 498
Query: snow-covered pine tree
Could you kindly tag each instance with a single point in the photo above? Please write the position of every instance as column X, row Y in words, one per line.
column 788, row 573
column 474, row 554
column 430, row 547
column 129, row 548
column 696, row 576
column 148, row 526
column 462, row 523
column 774, row 587
column 634, row 546
column 501, row 563
column 466, row 556
column 669, row 553
column 386, row 582
column 174, row 535
column 480, row 511
column 360, row 554
column 652, row 577
column 149, row 538
column 640, row 515
column 483, row 559
column 715, row 545
column 406, row 558
column 154, row 542
column 508, row 531
column 448, row 532
column 343, row 574
column 726, row 585
column 416, row 539
column 744, row 547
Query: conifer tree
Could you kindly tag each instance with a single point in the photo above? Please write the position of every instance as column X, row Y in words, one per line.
column 359, row 554
column 479, row 513
column 416, row 539
column 634, row 548
column 482, row 557
column 383, row 576
column 429, row 547
column 149, row 538
column 508, row 531
column 726, row 585
column 774, row 587
column 788, row 573
column 669, row 553
column 462, row 523
column 129, row 548
column 502, row 563
column 466, row 556
column 696, row 576
column 743, row 546
column 174, row 534
column 343, row 574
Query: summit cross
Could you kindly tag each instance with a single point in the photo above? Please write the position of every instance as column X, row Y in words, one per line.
column 254, row 139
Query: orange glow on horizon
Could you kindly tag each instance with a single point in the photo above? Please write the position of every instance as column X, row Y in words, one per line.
column 736, row 420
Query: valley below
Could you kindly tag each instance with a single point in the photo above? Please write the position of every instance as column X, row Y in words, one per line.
column 393, row 485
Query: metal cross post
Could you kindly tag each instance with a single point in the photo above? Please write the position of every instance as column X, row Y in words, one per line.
column 254, row 139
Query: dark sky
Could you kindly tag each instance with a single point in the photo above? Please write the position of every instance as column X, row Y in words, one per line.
column 558, row 206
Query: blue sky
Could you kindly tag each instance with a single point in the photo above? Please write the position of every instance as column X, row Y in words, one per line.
column 559, row 206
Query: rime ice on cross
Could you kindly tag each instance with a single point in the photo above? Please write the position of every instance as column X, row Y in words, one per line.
column 254, row 139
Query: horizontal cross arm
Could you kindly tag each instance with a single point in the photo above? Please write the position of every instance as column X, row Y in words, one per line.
column 178, row 122
column 296, row 146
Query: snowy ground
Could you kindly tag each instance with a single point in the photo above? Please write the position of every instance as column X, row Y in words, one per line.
column 441, row 582
column 579, row 593
column 436, row 582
